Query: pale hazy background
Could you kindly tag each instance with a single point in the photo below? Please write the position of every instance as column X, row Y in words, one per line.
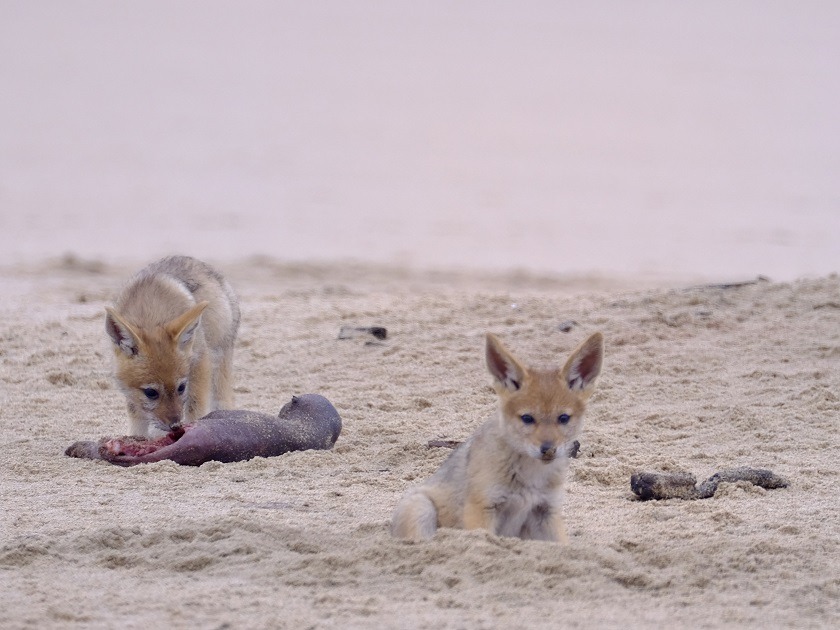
column 672, row 138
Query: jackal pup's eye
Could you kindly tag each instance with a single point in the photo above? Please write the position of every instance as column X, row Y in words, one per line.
column 563, row 418
column 182, row 387
column 151, row 393
column 527, row 418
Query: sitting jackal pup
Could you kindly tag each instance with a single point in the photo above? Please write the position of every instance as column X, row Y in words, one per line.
column 173, row 328
column 508, row 476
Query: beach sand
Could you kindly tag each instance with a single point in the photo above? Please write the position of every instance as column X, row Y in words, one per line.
column 695, row 379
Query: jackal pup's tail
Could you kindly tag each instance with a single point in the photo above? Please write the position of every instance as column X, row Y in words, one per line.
column 415, row 517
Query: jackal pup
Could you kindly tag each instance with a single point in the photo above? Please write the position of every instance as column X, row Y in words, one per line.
column 508, row 477
column 173, row 327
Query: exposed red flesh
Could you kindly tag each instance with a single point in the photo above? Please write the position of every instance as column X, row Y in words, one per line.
column 138, row 446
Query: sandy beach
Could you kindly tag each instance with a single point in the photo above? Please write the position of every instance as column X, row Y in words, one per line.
column 696, row 379
column 665, row 173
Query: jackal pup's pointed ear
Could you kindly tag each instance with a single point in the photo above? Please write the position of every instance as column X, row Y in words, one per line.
column 121, row 332
column 506, row 370
column 584, row 364
column 183, row 327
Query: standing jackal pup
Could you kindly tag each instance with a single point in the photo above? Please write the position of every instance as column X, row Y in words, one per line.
column 508, row 476
column 173, row 328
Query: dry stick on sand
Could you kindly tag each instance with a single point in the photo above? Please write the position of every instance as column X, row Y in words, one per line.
column 648, row 485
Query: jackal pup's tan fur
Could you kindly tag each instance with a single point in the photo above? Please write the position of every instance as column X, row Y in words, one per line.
column 173, row 327
column 508, row 476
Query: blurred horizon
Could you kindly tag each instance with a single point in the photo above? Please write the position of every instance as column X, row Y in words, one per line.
column 651, row 138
